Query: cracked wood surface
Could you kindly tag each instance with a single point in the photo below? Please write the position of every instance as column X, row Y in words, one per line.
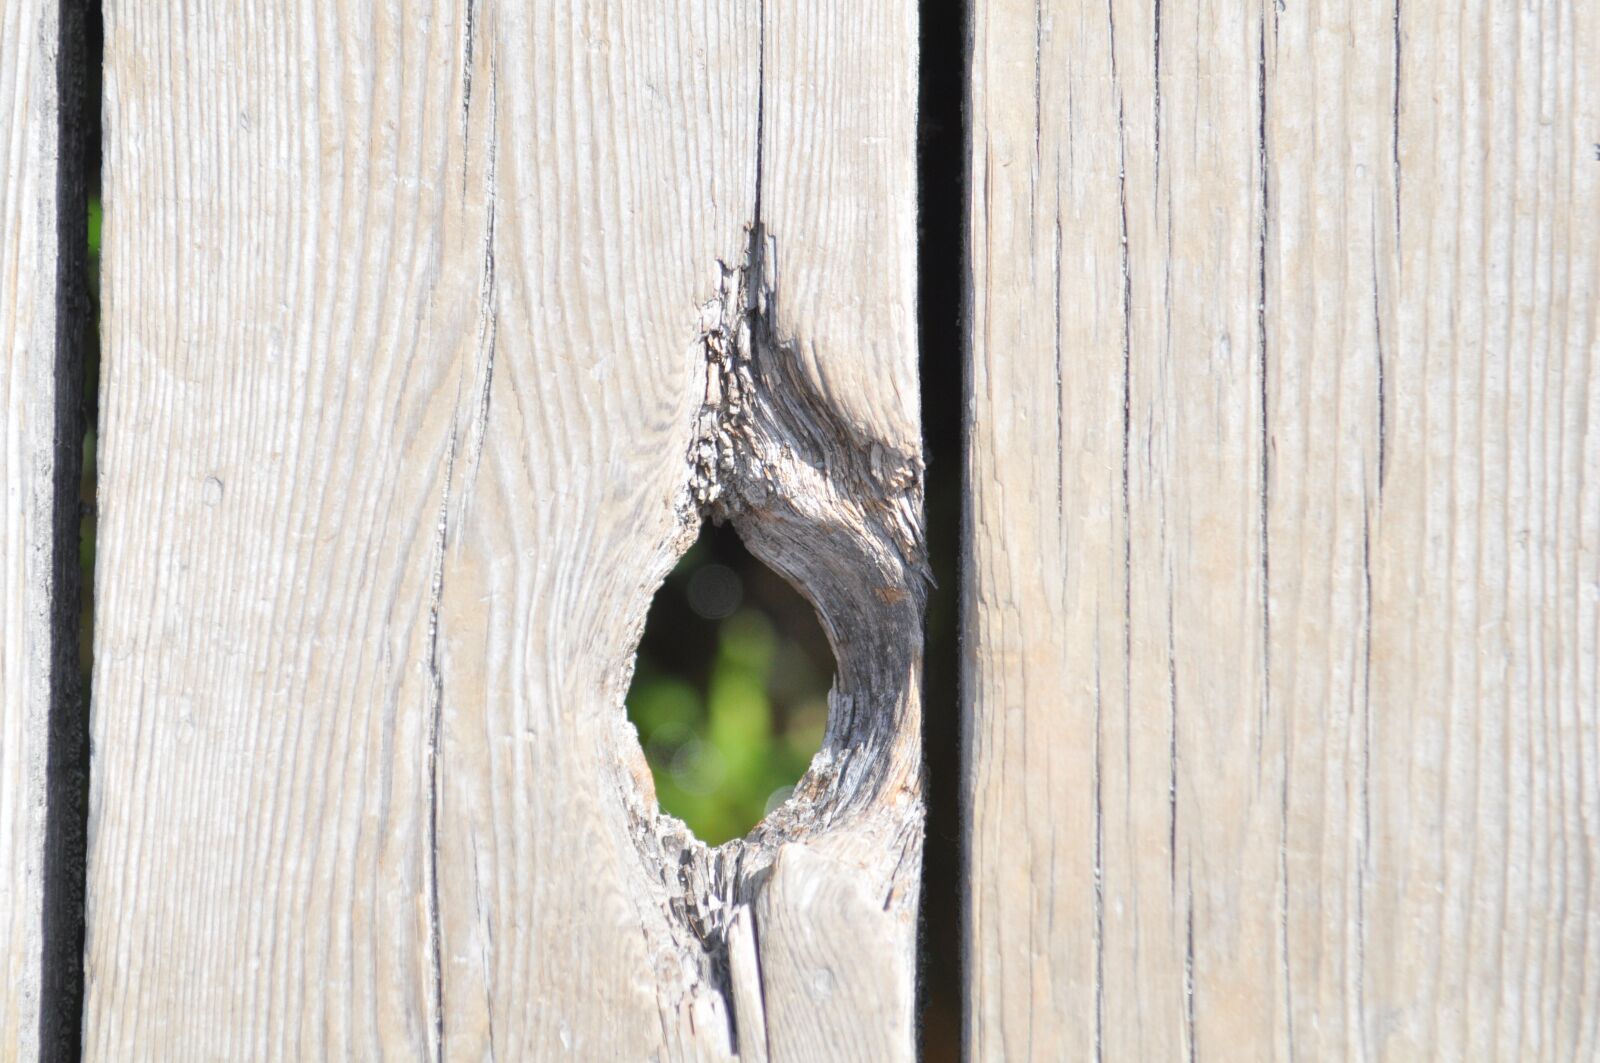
column 1282, row 593
column 42, row 205
column 430, row 341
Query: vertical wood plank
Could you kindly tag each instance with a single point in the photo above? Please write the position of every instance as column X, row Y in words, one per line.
column 42, row 313
column 1283, row 538
column 432, row 338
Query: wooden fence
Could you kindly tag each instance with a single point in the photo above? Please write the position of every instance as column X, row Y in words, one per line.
column 432, row 333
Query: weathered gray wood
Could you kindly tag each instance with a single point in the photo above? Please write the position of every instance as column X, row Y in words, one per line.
column 813, row 985
column 430, row 341
column 1283, row 576
column 41, row 735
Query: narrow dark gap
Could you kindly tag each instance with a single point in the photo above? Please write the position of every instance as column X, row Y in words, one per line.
column 90, row 402
column 941, row 330
column 76, row 341
column 730, row 690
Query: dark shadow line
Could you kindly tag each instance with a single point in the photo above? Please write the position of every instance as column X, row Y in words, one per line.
column 67, row 746
column 942, row 274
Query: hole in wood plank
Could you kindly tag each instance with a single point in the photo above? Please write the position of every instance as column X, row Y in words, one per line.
column 730, row 691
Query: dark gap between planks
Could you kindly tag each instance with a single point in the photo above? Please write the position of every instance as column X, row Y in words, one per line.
column 941, row 328
column 67, row 750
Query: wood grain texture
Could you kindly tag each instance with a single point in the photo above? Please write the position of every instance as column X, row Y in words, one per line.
column 1282, row 593
column 42, row 210
column 813, row 985
column 431, row 339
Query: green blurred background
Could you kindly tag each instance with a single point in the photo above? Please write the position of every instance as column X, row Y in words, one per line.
column 730, row 694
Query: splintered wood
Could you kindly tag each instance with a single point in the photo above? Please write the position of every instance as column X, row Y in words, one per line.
column 431, row 340
column 1283, row 550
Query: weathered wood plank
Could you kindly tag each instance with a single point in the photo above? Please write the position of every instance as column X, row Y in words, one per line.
column 1283, row 574
column 42, row 205
column 430, row 341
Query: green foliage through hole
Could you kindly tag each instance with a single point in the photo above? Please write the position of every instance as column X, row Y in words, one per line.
column 730, row 693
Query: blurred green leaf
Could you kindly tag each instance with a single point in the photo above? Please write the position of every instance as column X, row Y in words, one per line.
column 725, row 747
column 658, row 701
